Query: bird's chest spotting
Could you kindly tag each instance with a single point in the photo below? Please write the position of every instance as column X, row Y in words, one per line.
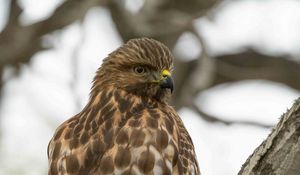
column 142, row 138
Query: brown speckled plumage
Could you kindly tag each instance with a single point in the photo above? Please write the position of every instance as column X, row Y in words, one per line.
column 127, row 127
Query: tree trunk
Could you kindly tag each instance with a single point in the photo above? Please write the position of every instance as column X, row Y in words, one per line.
column 279, row 154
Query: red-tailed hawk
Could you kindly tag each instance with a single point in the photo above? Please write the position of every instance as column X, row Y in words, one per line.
column 127, row 127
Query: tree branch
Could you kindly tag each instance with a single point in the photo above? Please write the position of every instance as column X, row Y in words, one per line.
column 18, row 43
column 200, row 77
column 248, row 65
column 279, row 154
column 213, row 119
column 254, row 65
column 14, row 13
column 163, row 20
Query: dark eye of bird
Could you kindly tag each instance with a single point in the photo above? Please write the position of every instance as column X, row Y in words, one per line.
column 139, row 70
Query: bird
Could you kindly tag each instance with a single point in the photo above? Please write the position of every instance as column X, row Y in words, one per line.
column 127, row 126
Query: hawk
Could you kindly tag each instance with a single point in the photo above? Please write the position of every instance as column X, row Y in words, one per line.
column 127, row 126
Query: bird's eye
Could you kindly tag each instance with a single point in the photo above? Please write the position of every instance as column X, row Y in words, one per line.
column 139, row 70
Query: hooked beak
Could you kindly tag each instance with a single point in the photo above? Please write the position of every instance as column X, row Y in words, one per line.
column 166, row 80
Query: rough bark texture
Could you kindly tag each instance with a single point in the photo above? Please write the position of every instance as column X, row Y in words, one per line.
column 279, row 154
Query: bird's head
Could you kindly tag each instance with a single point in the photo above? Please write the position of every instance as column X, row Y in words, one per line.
column 141, row 66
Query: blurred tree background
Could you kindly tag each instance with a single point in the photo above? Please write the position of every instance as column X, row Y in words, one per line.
column 237, row 69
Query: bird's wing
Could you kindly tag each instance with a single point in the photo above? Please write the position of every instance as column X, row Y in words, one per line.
column 76, row 145
column 187, row 163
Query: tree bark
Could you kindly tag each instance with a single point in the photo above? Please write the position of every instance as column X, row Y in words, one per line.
column 279, row 154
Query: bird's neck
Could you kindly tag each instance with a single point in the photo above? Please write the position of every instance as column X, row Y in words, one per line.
column 119, row 99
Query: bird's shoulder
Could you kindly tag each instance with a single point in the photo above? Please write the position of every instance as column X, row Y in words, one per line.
column 187, row 162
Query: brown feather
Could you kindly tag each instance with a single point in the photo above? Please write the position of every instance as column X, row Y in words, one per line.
column 127, row 127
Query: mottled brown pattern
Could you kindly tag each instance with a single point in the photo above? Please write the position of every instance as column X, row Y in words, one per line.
column 106, row 165
column 123, row 157
column 165, row 169
column 98, row 147
column 72, row 164
column 137, row 137
column 152, row 123
column 122, row 137
column 134, row 123
column 127, row 127
column 161, row 139
column 146, row 161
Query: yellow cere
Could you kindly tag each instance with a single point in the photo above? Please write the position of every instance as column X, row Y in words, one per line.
column 165, row 72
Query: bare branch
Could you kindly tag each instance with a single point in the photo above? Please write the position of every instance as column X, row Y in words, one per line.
column 213, row 119
column 18, row 43
column 253, row 65
column 199, row 78
column 163, row 20
column 15, row 12
column 248, row 65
